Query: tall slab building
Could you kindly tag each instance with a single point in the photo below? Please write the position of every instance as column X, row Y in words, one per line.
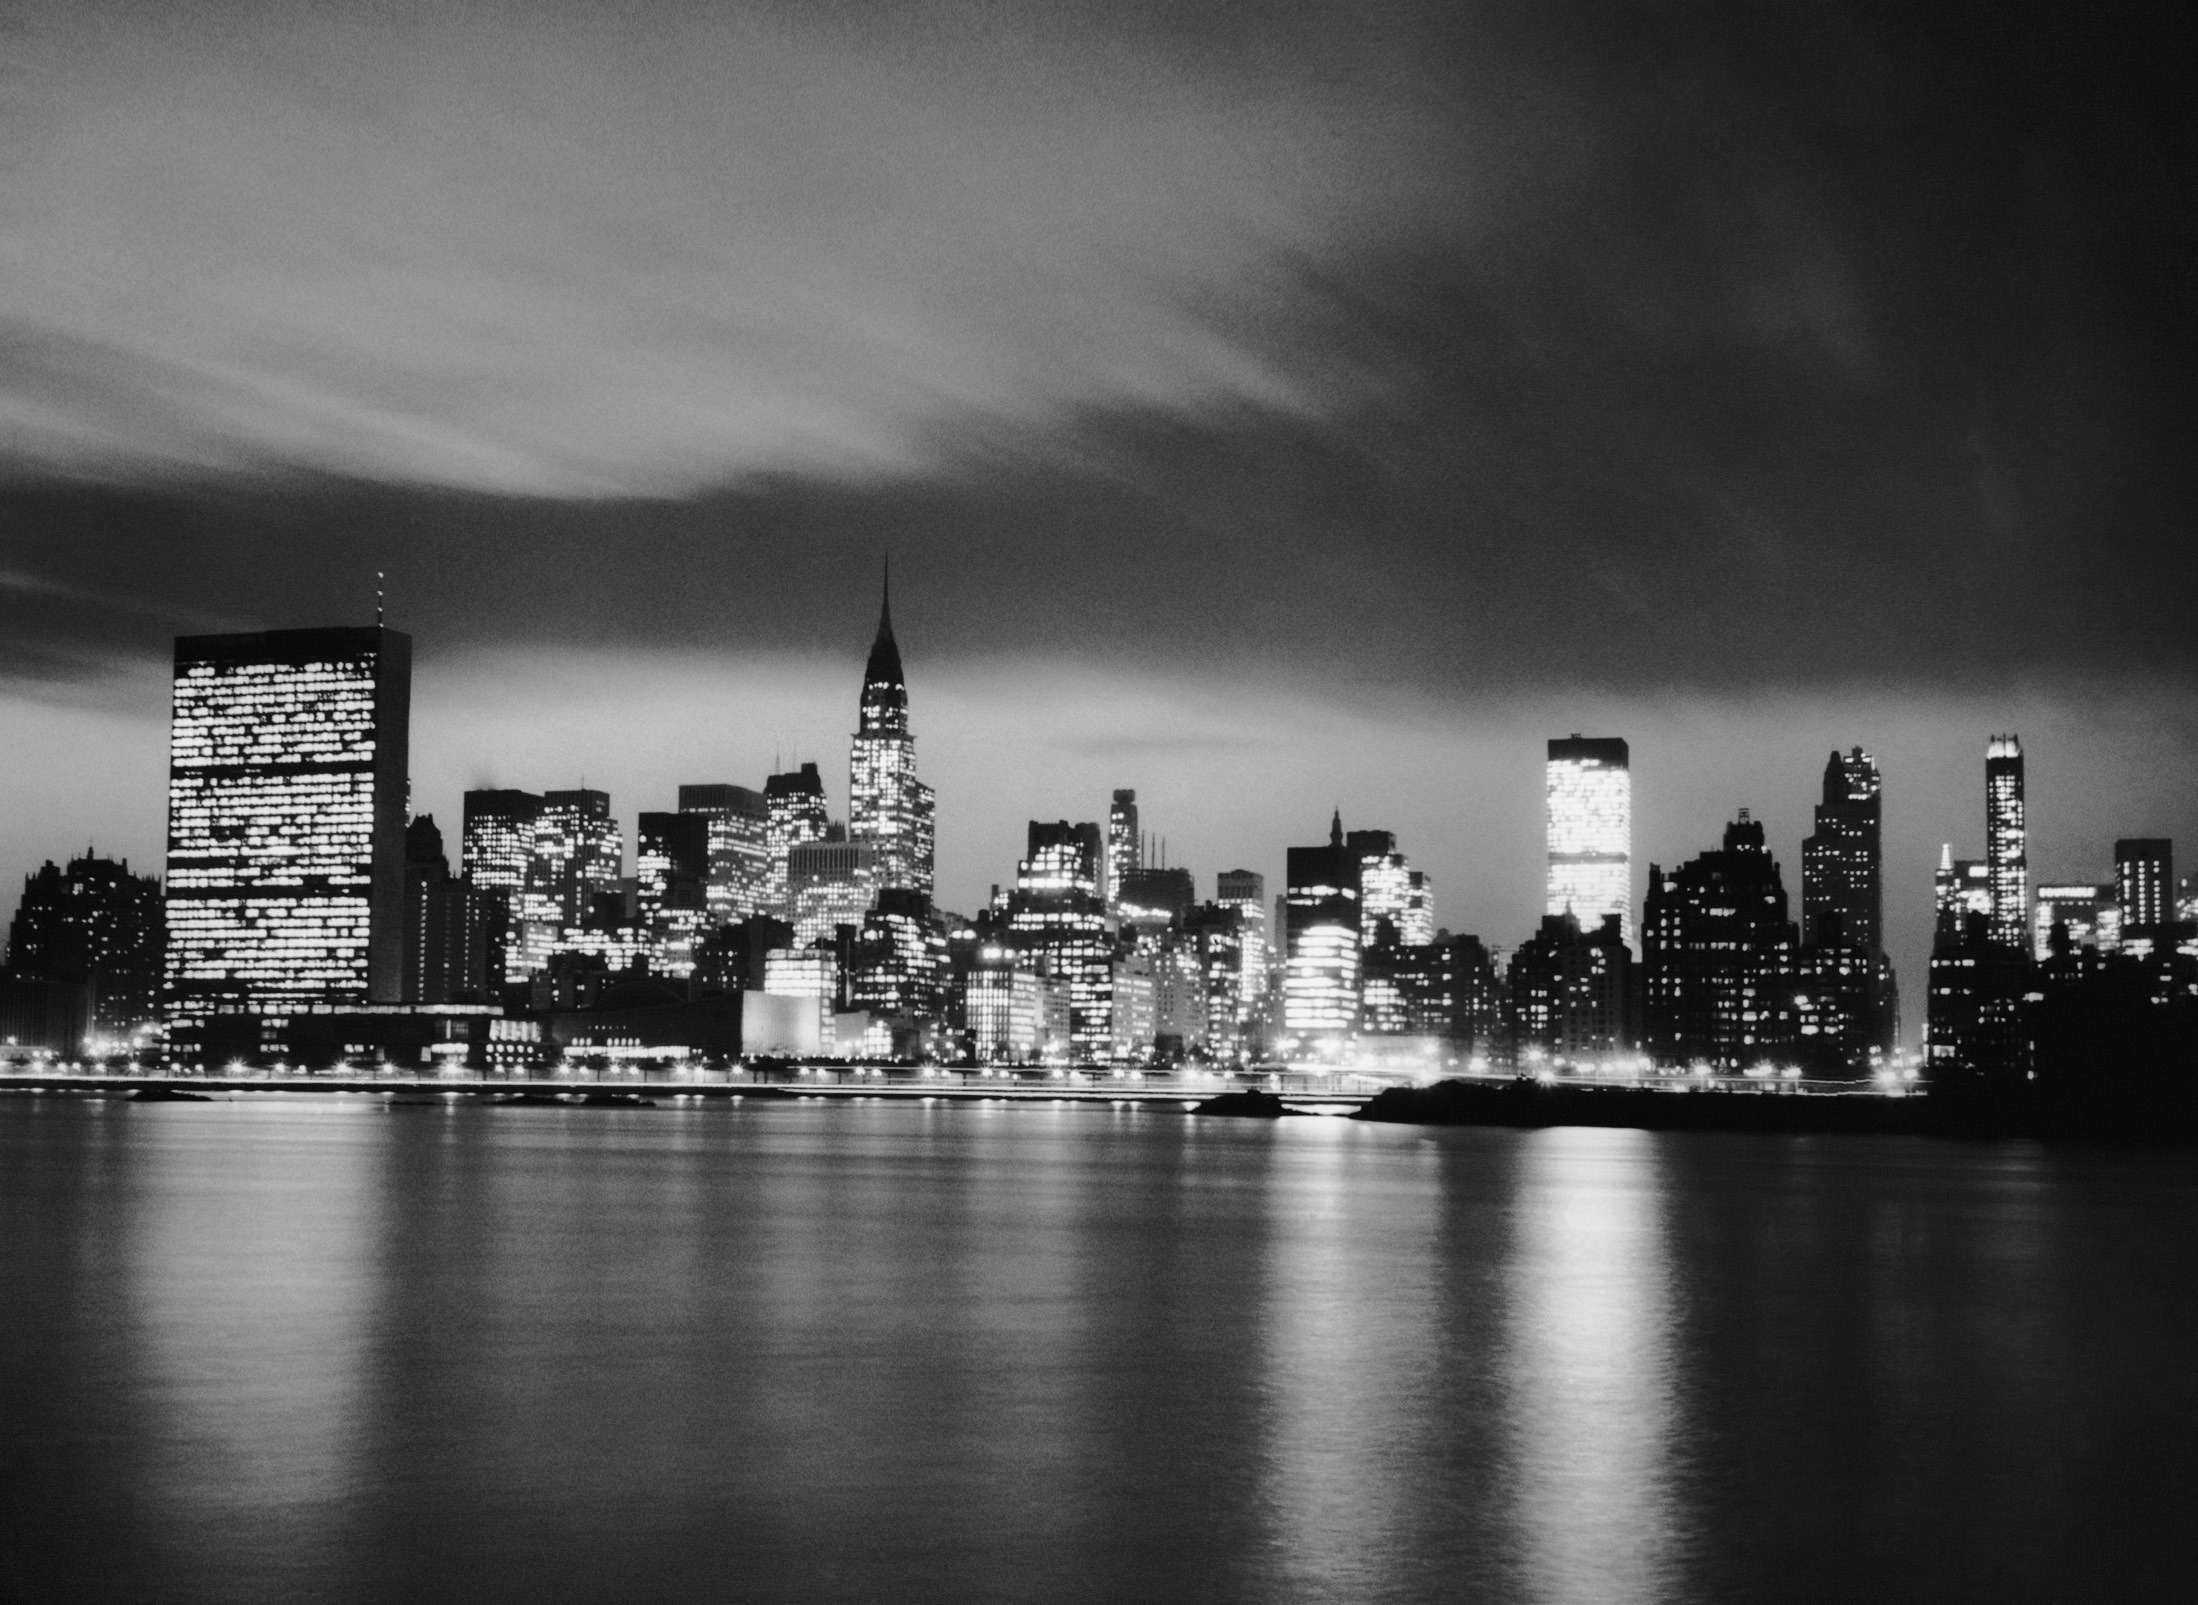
column 888, row 809
column 1590, row 792
column 286, row 825
column 2006, row 841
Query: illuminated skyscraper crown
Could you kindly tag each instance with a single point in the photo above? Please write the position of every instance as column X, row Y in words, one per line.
column 884, row 688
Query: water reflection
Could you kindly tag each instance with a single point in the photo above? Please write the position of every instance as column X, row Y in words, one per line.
column 1589, row 1364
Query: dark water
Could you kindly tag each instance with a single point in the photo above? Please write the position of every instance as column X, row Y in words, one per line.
column 327, row 1350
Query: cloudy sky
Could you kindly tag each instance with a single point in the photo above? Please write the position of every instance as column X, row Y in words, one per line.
column 1271, row 407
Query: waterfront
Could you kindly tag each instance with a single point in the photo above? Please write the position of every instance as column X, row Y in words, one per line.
column 331, row 1348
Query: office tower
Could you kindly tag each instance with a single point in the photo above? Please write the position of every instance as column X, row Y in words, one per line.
column 829, row 884
column 1959, row 887
column 449, row 927
column 898, row 967
column 1590, row 791
column 1718, row 957
column 1384, row 881
column 1320, row 986
column 498, row 840
column 1154, row 897
column 1002, row 1006
column 888, row 808
column 98, row 924
column 577, row 855
column 794, row 813
column 1245, row 891
column 672, row 868
column 2086, row 910
column 1416, row 923
column 1133, row 1022
column 740, row 854
column 1842, row 890
column 286, row 821
column 1973, row 1032
column 1212, row 943
column 1057, row 920
column 812, row 973
column 2144, row 885
column 1569, row 989
column 1125, row 847
column 2006, row 844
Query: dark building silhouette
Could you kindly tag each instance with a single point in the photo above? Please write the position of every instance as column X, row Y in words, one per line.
column 671, row 865
column 1159, row 892
column 1847, row 1013
column 1975, row 1036
column 449, row 952
column 1570, row 989
column 1718, row 958
column 94, row 923
column 1320, row 986
column 1125, row 846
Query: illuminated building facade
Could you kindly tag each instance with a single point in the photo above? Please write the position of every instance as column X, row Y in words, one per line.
column 2087, row 910
column 1590, row 795
column 1245, row 892
column 1135, row 1007
column 450, row 926
column 1212, row 941
column 94, row 922
column 1959, row 887
column 1057, row 919
column 1416, row 923
column 738, row 884
column 898, row 968
column 1320, row 985
column 2006, row 841
column 794, row 813
column 1002, row 1007
column 830, row 883
column 577, row 856
column 286, row 822
column 808, row 973
column 1718, row 958
column 497, row 841
column 888, row 808
column 1125, row 854
column 672, row 867
column 2144, row 887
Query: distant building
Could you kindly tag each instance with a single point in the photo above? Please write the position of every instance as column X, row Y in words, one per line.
column 1959, row 888
column 1389, row 889
column 1245, row 891
column 1570, row 989
column 1156, row 897
column 808, row 973
column 286, row 821
column 98, row 924
column 1134, row 1007
column 2086, row 911
column 1320, row 1002
column 794, row 813
column 1125, row 854
column 1718, row 958
column 738, row 883
column 898, row 970
column 1847, row 1005
column 672, row 868
column 450, row 926
column 829, row 884
column 1590, row 797
column 1057, row 920
column 2144, row 886
column 888, row 808
column 1974, row 1031
column 1211, row 945
column 2006, row 841
column 577, row 855
column 497, row 842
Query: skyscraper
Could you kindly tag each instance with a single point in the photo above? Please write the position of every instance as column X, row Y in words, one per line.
column 888, row 808
column 671, row 863
column 1960, row 887
column 449, row 925
column 829, row 884
column 1717, row 957
column 578, row 854
column 1320, row 985
column 2144, row 885
column 493, row 852
column 1057, row 920
column 286, row 825
column 794, row 812
column 740, row 855
column 1125, row 847
column 1590, row 791
column 1246, row 891
column 2085, row 910
column 2006, row 842
column 1842, row 886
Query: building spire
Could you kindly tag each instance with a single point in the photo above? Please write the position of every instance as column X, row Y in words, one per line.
column 1335, row 829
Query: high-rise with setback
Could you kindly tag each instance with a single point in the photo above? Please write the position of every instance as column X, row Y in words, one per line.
column 286, row 825
column 1590, row 792
column 888, row 809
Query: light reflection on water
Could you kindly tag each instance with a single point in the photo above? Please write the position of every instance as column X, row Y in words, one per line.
column 331, row 1350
